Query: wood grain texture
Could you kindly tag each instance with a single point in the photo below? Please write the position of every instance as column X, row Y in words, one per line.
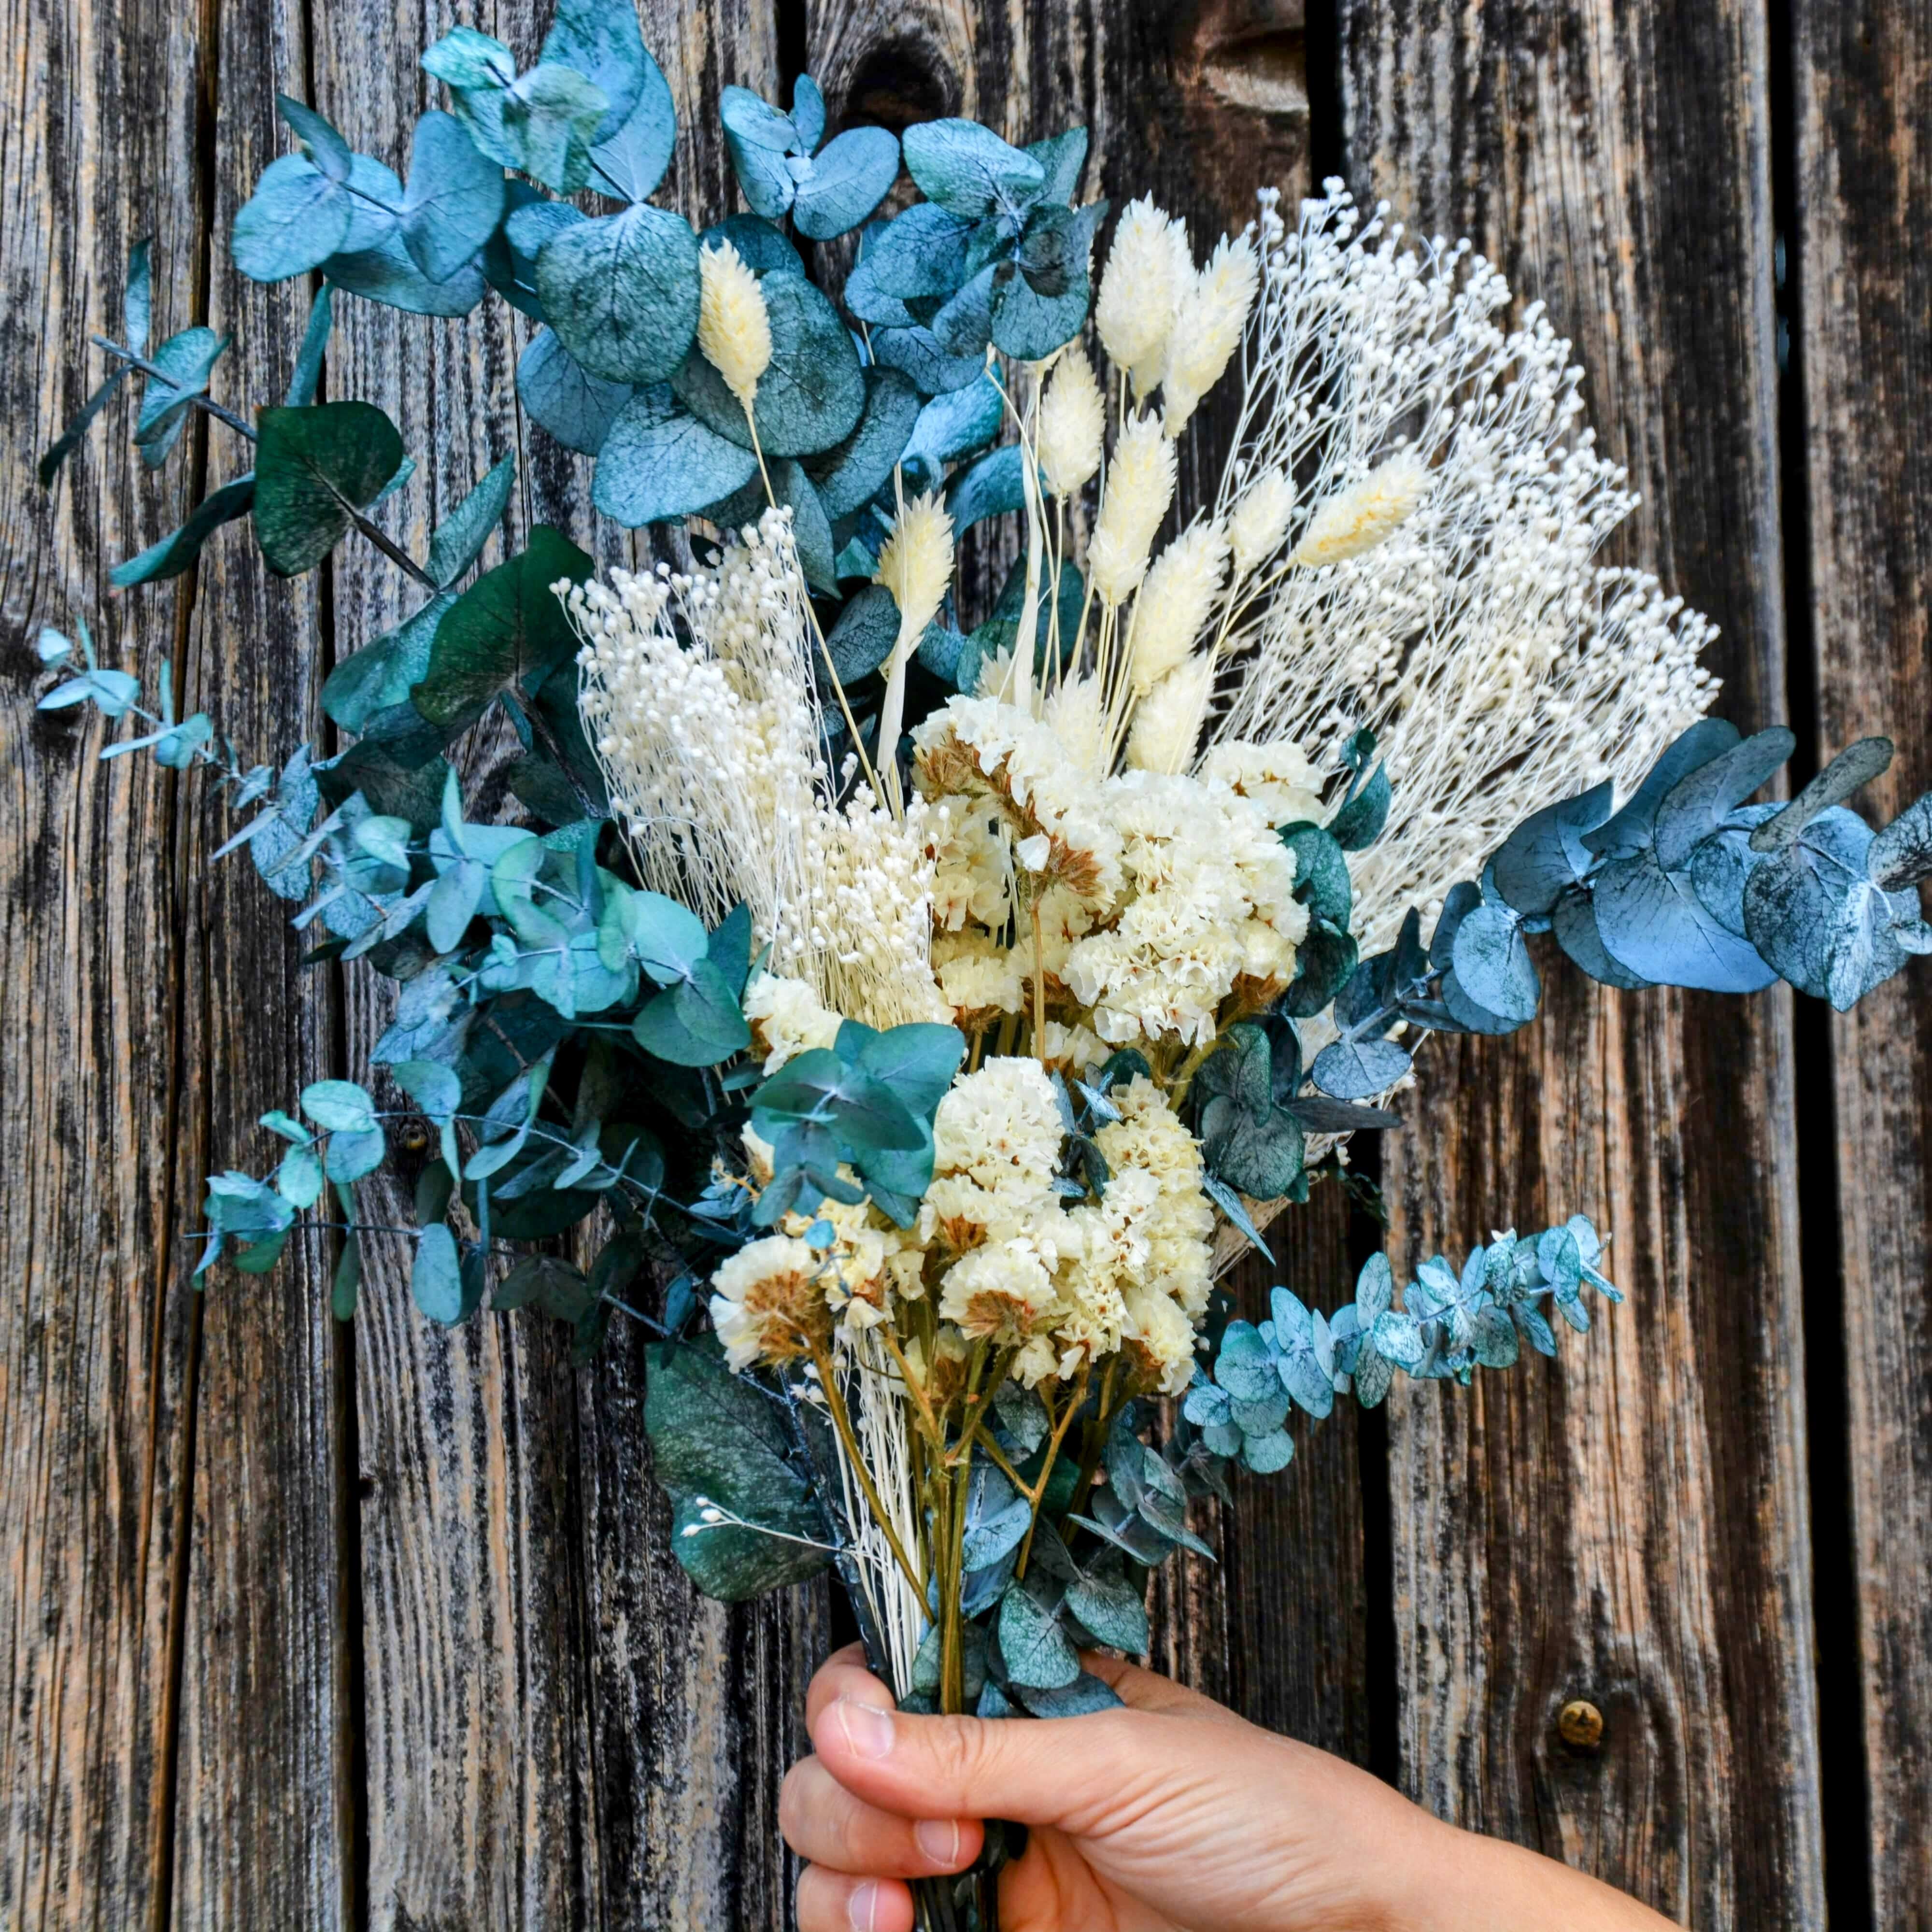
column 98, row 102
column 262, row 1807
column 1863, row 85
column 1631, row 1524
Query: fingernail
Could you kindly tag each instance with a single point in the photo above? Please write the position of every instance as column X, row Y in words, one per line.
column 867, row 1729
column 938, row 1841
column 862, row 1907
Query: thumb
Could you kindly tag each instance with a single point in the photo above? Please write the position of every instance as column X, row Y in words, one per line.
column 921, row 1767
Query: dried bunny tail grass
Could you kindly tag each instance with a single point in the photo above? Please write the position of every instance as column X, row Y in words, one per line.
column 1173, row 604
column 915, row 565
column 734, row 327
column 1138, row 488
column 1207, row 325
column 1354, row 520
column 1167, row 720
column 1258, row 521
column 1140, row 289
column 1072, row 420
column 1500, row 665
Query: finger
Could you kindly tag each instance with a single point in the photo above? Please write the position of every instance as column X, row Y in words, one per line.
column 830, row 1901
column 844, row 1674
column 822, row 1821
column 1148, row 1690
column 923, row 1767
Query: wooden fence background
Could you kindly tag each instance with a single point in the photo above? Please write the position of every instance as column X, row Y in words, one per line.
column 306, row 1626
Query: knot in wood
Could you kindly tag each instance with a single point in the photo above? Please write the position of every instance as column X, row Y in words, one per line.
column 1580, row 1724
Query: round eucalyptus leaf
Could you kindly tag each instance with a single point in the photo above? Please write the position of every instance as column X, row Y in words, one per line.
column 808, row 112
column 1492, row 964
column 1652, row 922
column 809, row 399
column 761, row 246
column 602, row 41
column 1546, row 855
column 915, row 352
column 312, row 466
column 968, row 170
column 849, row 474
column 1573, row 920
column 564, row 398
column 863, row 637
column 922, row 252
column 294, row 221
column 658, row 461
column 1029, row 326
column 453, row 200
column 633, row 159
column 849, row 179
column 1359, row 1069
column 621, row 292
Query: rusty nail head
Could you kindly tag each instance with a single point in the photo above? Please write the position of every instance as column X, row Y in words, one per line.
column 1580, row 1724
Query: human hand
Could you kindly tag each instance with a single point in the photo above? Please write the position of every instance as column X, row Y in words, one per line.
column 1171, row 1813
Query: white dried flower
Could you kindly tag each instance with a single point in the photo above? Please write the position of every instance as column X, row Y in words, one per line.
column 1207, row 325
column 1139, row 486
column 1278, row 777
column 1366, row 514
column 787, row 1017
column 1259, row 520
column 1167, row 720
column 734, row 327
column 1140, row 288
column 768, row 1302
column 1072, row 420
column 1173, row 603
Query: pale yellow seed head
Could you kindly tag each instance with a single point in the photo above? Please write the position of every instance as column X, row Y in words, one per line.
column 1167, row 720
column 1173, row 603
column 1212, row 312
column 734, row 327
column 916, row 564
column 1366, row 514
column 1139, row 486
column 1259, row 520
column 1072, row 419
column 1147, row 267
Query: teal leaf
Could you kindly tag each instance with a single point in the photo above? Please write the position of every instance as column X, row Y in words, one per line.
column 621, row 292
column 1358, row 1069
column 339, row 1106
column 1492, row 964
column 1702, row 800
column 849, row 179
column 992, row 487
column 137, row 299
column 1359, row 822
column 186, row 360
column 1063, row 158
column 696, row 1023
column 562, row 396
column 807, row 113
column 178, row 550
column 351, row 1155
column 758, row 138
column 916, row 354
column 460, row 538
column 761, row 246
column 953, row 425
column 380, row 674
column 1113, row 1612
column 1653, row 923
column 435, row 1276
column 1573, row 921
column 916, row 1061
column 384, row 271
column 453, row 200
column 863, row 637
column 719, row 1439
column 347, row 1279
column 632, row 160
column 1901, row 854
column 968, row 170
column 326, row 147
column 313, row 466
column 307, row 373
column 811, row 528
column 812, row 396
column 1546, row 855
column 601, row 41
column 510, row 268
column 294, row 220
column 848, row 475
column 1034, row 1647
column 70, row 438
column 1029, row 326
column 922, row 252
column 298, row 1180
column 543, row 123
column 1632, row 827
column 507, row 632
column 465, row 59
column 659, row 462
column 1085, row 1696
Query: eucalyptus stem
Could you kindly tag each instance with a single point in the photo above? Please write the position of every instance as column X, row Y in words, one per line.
column 1038, row 1494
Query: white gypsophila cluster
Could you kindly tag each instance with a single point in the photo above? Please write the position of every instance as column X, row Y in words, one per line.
column 1449, row 505
column 698, row 695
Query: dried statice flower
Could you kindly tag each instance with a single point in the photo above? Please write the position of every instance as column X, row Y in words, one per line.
column 1500, row 664
column 1072, row 420
column 734, row 327
column 1139, row 486
column 1208, row 321
column 1147, row 267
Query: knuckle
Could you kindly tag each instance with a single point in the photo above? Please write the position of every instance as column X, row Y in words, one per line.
column 959, row 1749
column 793, row 1801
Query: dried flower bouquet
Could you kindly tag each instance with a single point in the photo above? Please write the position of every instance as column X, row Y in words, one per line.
column 908, row 1017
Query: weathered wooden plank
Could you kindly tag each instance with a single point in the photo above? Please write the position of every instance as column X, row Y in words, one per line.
column 262, row 1814
column 1630, row 1525
column 1197, row 107
column 1863, row 82
column 557, row 1732
column 96, row 124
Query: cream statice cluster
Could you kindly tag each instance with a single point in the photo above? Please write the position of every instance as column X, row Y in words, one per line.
column 1004, row 1260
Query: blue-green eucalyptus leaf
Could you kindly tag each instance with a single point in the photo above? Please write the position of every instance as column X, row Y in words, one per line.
column 460, row 538
column 298, row 1179
column 1546, row 855
column 294, row 220
column 850, row 474
column 601, row 41
column 1062, row 158
column 339, row 1106
column 187, row 359
column 1035, row 1648
column 70, row 438
column 137, row 299
column 658, row 462
column 968, row 170
column 922, row 252
column 1632, row 828
column 1358, row 824
column 621, row 292
column 1700, row 801
column 312, row 466
column 384, row 271
column 1573, row 921
column 327, row 148
column 1856, row 765
column 953, row 425
column 1653, row 923
column 849, row 179
column 307, row 373
column 465, row 59
column 761, row 246
column 435, row 1276
column 380, row 674
column 178, row 550
column 1359, row 1069
column 916, row 353
column 1492, row 964
column 1901, row 854
column 630, row 162
column 807, row 113
column 758, row 138
column 562, row 396
column 454, row 199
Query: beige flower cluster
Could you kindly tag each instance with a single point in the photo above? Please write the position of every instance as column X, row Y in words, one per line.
column 1152, row 906
column 998, row 1254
